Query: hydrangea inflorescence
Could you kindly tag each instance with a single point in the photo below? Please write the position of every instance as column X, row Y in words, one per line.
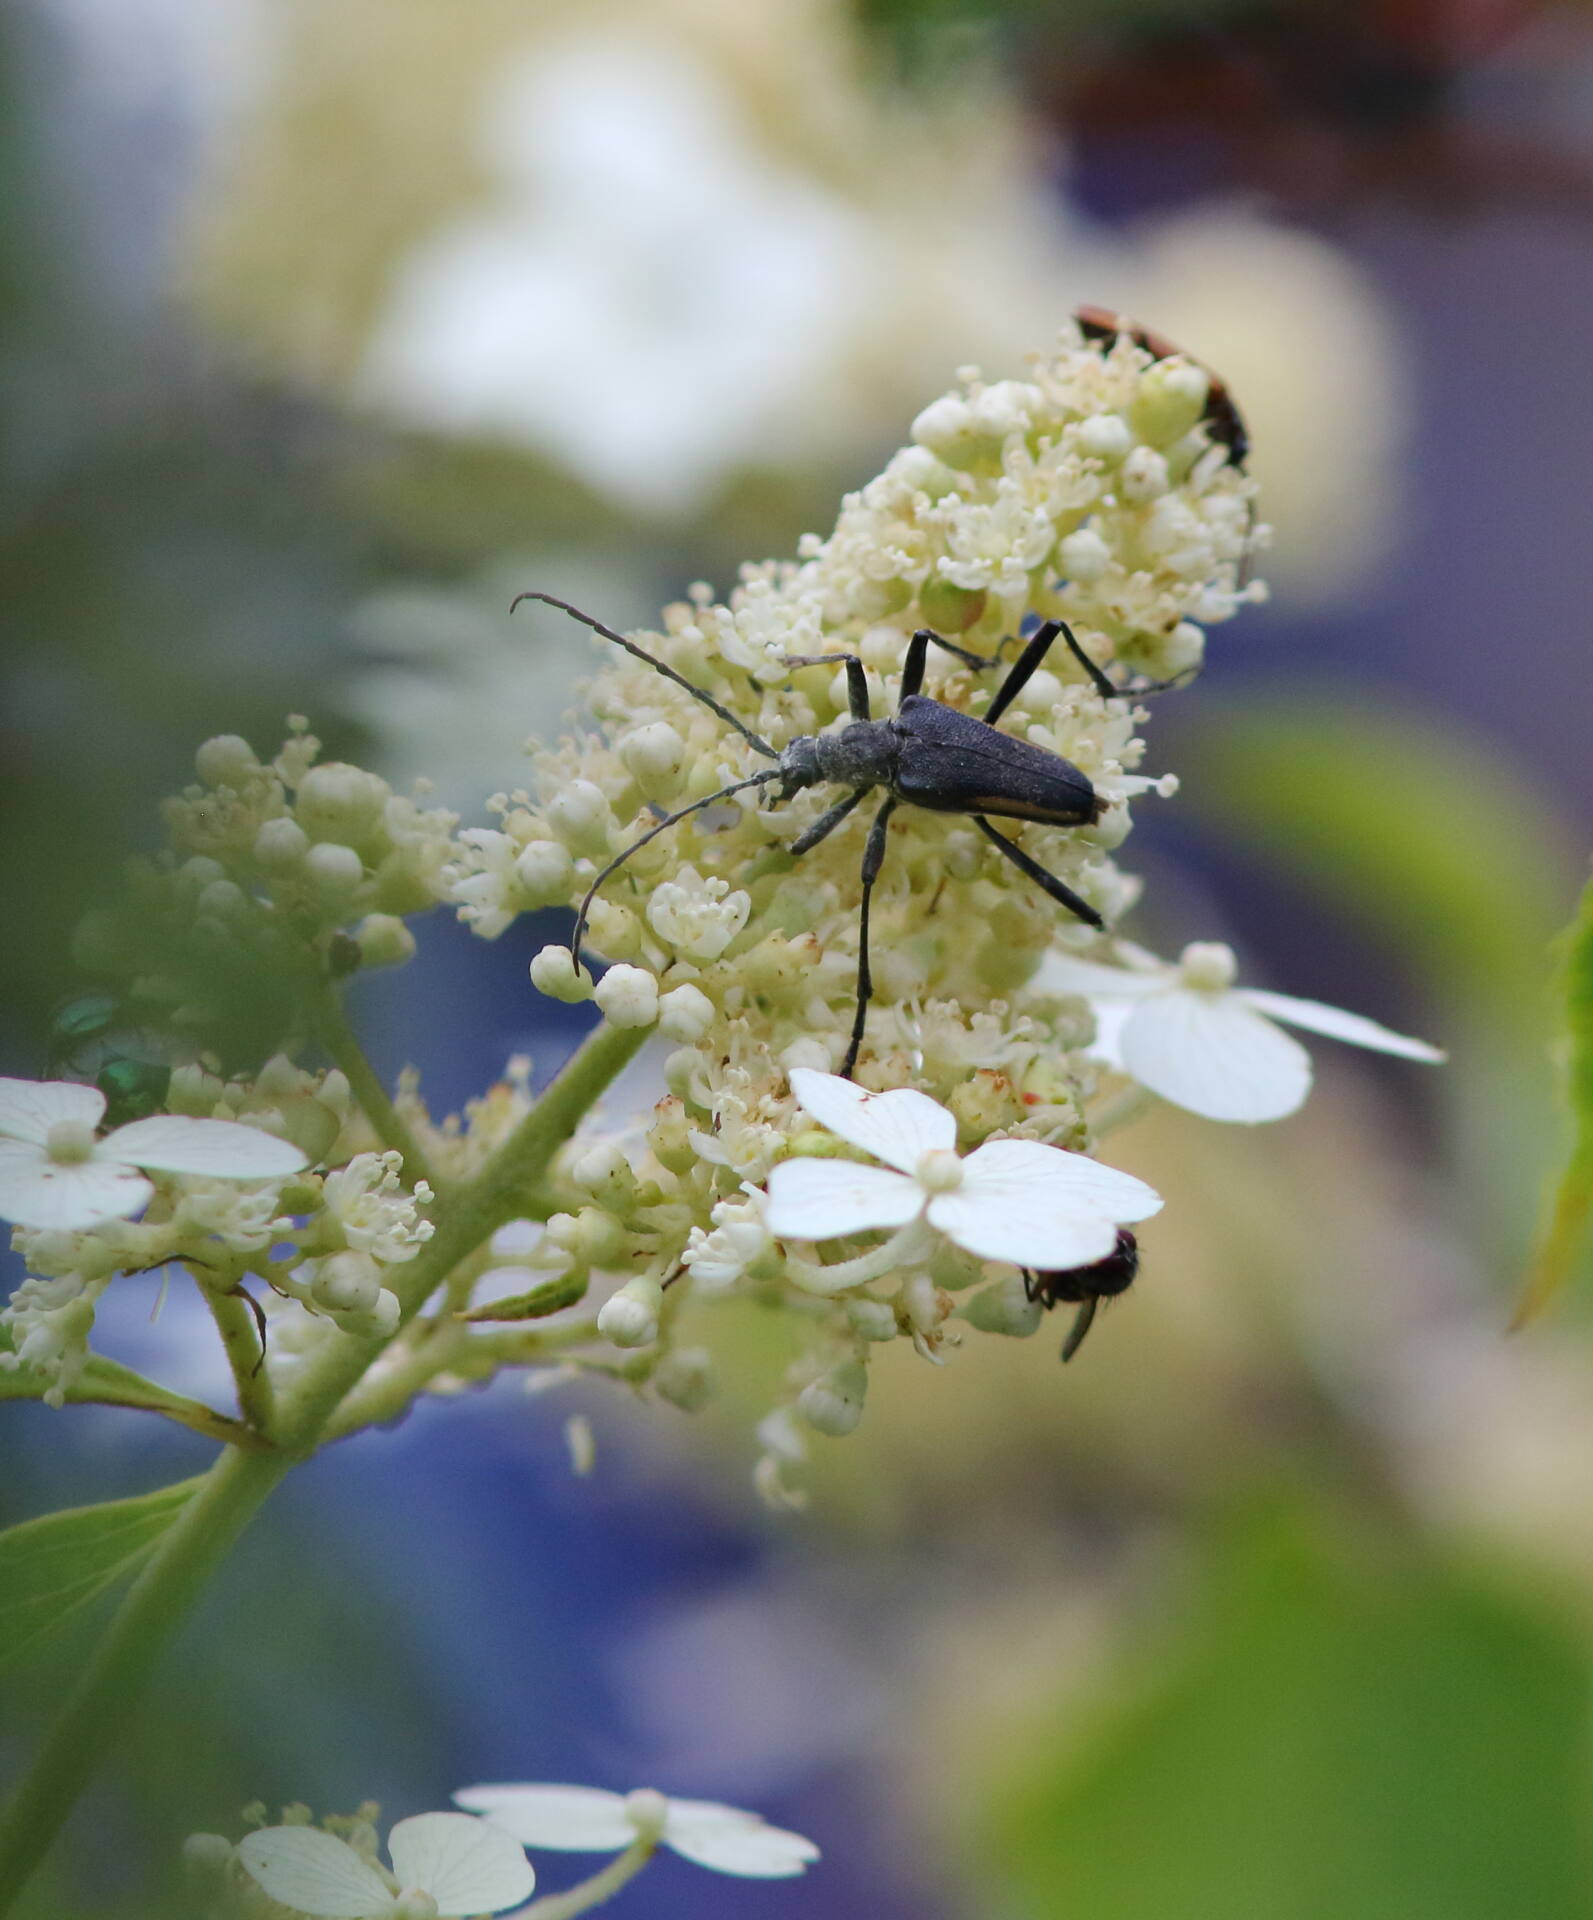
column 1092, row 492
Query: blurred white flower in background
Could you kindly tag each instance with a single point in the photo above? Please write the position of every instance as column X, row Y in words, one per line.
column 647, row 296
column 679, row 244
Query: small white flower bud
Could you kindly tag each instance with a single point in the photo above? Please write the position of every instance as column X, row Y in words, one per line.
column 278, row 1079
column 563, row 1230
column 601, row 1237
column 281, row 843
column 1041, row 694
column 833, row 1404
column 347, row 1283
column 1183, row 648
column 554, row 973
column 685, row 1013
column 630, row 1317
column 1208, row 965
column 384, row 940
column 628, row 997
column 194, row 1092
column 222, row 900
column 872, row 1319
column 647, row 1811
column 1143, row 475
column 686, row 1379
column 578, row 813
column 206, row 1858
column 1084, row 556
column 226, row 761
column 809, row 1051
column 1105, row 437
column 654, row 754
column 195, row 874
column 545, row 873
column 604, row 1172
column 1171, row 398
column 336, row 869
column 385, row 1315
column 340, row 803
column 1004, row 1308
column 615, row 930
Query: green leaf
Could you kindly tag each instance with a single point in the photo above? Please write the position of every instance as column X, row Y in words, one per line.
column 1572, row 1200
column 53, row 1567
column 1346, row 1732
column 107, row 1383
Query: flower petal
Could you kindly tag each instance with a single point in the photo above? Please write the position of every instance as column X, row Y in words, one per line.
column 730, row 1841
column 1065, row 973
column 819, row 1199
column 36, row 1192
column 1038, row 1206
column 314, row 1872
column 29, row 1108
column 564, row 1819
column 1317, row 1017
column 468, row 1866
column 1216, row 1056
column 172, row 1143
column 1111, row 1016
column 898, row 1127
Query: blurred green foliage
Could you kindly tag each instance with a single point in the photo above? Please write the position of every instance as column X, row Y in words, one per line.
column 1433, row 844
column 1347, row 1726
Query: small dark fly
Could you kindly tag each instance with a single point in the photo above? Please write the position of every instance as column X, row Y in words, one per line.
column 1086, row 1287
column 926, row 754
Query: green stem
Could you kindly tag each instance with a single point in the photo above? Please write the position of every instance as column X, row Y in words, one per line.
column 593, row 1892
column 338, row 1038
column 155, row 1607
column 240, row 1337
column 239, row 1482
column 472, row 1214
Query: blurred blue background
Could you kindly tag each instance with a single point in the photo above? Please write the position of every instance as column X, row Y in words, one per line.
column 323, row 328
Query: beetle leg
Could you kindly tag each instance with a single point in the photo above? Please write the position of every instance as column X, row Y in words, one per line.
column 826, row 823
column 1028, row 663
column 856, row 678
column 873, row 860
column 1058, row 889
column 917, row 651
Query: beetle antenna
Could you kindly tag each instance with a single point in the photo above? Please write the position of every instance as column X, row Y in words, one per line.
column 736, row 786
column 658, row 666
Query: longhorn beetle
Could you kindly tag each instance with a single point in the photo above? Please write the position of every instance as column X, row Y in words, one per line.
column 925, row 755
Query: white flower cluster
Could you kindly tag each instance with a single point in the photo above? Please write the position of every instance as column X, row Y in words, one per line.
column 1098, row 492
column 265, row 858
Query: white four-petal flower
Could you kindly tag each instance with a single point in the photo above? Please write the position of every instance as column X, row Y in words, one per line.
column 590, row 1820
column 1188, row 1033
column 55, row 1173
column 458, row 1865
column 1016, row 1200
